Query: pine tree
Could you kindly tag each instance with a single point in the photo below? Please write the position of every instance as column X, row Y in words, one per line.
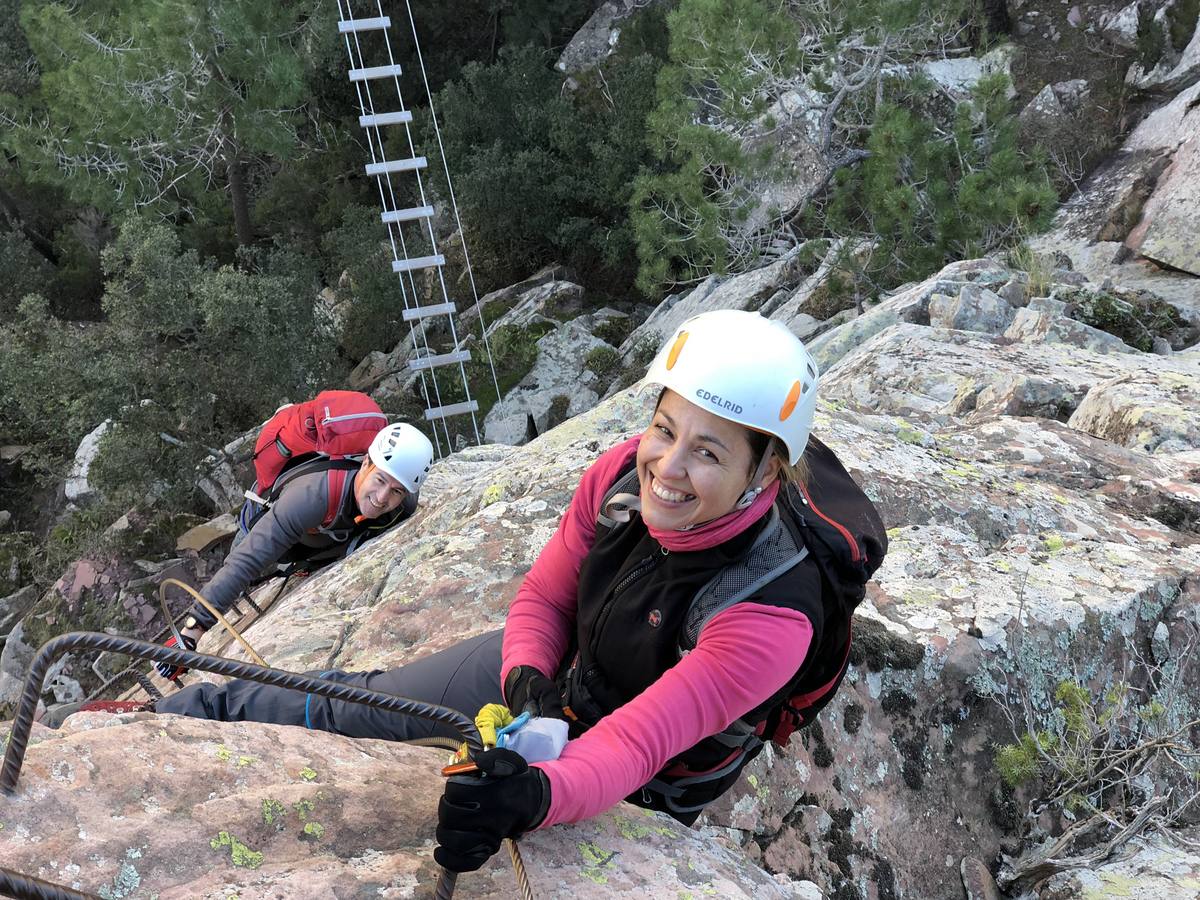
column 148, row 103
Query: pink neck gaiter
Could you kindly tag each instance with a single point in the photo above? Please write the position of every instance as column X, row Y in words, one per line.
column 720, row 529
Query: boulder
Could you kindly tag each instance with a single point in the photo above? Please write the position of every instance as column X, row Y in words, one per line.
column 224, row 477
column 1172, row 211
column 78, row 490
column 1121, row 26
column 1154, row 410
column 14, row 606
column 749, row 290
column 15, row 659
column 1054, row 104
column 1109, row 226
column 144, row 805
column 974, row 309
column 559, row 372
column 957, row 76
column 1176, row 67
column 1152, row 868
column 597, row 39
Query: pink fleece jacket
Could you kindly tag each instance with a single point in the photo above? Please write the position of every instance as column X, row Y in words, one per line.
column 743, row 656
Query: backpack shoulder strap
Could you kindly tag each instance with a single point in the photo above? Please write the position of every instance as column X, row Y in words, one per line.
column 774, row 552
column 612, row 511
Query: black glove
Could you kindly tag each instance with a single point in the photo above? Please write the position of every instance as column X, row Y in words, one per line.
column 477, row 812
column 170, row 671
column 528, row 690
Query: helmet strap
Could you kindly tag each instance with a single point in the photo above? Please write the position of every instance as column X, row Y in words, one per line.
column 755, row 487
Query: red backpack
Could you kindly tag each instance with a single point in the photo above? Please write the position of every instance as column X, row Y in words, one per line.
column 330, row 427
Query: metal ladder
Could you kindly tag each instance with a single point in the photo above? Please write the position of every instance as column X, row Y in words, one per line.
column 410, row 226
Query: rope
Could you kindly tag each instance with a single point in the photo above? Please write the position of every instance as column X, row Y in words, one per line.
column 162, row 599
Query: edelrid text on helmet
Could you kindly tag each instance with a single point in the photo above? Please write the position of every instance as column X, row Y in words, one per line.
column 744, row 368
column 719, row 402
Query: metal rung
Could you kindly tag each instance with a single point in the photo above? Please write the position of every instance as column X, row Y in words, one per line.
column 393, row 118
column 374, row 72
column 424, row 312
column 444, row 359
column 454, row 409
column 348, row 26
column 421, row 262
column 407, row 215
column 396, row 165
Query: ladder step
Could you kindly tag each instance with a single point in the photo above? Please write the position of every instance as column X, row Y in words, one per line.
column 454, row 409
column 396, row 165
column 421, row 262
column 374, row 72
column 424, row 312
column 407, row 215
column 348, row 26
column 393, row 118
column 443, row 359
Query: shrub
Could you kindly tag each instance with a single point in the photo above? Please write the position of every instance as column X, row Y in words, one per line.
column 604, row 361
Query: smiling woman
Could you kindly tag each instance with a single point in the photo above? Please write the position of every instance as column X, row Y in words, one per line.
column 694, row 603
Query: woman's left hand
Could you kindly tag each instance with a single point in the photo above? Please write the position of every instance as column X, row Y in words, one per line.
column 477, row 812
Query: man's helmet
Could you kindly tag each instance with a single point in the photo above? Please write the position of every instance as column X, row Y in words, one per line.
column 744, row 368
column 404, row 453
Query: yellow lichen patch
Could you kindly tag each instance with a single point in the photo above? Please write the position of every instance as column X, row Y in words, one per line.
column 239, row 853
column 223, row 753
column 308, row 773
column 491, row 494
column 595, row 861
column 1053, row 543
column 272, row 810
column 303, row 808
column 314, row 830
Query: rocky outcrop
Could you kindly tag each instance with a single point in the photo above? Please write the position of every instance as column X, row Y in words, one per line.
column 1041, row 501
column 1132, row 218
column 597, row 39
column 559, row 384
column 78, row 489
column 139, row 806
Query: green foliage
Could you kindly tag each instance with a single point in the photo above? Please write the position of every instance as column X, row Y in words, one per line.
column 1136, row 317
column 614, row 330
column 604, row 361
column 926, row 200
column 18, row 73
column 372, row 291
column 189, row 350
column 1021, row 762
column 22, row 271
column 143, row 102
column 544, row 175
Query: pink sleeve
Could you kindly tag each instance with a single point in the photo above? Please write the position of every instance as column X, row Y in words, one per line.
column 744, row 655
column 542, row 615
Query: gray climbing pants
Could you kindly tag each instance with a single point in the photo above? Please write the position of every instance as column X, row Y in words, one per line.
column 463, row 677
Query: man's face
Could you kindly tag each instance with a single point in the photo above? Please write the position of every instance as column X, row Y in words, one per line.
column 377, row 492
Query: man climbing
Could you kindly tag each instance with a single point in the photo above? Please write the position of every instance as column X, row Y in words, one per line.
column 314, row 513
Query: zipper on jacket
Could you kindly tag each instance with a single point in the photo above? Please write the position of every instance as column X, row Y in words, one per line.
column 347, row 418
column 639, row 571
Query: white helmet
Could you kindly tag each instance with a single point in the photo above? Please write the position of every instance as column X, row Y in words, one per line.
column 744, row 368
column 404, row 453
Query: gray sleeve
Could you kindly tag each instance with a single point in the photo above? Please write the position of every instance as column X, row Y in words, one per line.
column 300, row 506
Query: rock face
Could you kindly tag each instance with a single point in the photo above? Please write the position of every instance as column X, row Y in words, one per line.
column 78, row 490
column 559, row 374
column 1133, row 218
column 1040, row 491
column 139, row 806
column 598, row 38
